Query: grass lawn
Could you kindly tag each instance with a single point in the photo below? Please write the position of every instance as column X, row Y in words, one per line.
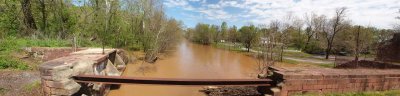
column 297, row 54
column 298, row 63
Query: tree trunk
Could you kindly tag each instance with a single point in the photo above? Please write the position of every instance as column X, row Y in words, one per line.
column 63, row 21
column 328, row 51
column 28, row 18
column 44, row 14
column 307, row 42
column 281, row 57
column 248, row 46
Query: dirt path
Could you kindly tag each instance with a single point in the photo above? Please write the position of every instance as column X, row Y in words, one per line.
column 18, row 83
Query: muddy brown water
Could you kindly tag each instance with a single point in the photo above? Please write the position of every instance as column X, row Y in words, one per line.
column 188, row 61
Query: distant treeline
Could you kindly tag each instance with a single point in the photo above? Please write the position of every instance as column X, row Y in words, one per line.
column 317, row 34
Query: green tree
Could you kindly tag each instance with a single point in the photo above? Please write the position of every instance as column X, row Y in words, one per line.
column 233, row 34
column 202, row 34
column 248, row 36
column 224, row 31
column 214, row 33
column 9, row 18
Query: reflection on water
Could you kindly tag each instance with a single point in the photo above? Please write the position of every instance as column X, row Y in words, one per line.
column 188, row 61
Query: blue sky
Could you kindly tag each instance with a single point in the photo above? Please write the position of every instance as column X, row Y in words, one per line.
column 378, row 13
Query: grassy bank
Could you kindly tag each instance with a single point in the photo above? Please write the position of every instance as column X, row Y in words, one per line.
column 289, row 53
column 228, row 46
column 12, row 46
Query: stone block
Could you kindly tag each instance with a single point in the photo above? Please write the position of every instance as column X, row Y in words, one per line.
column 60, row 84
column 44, row 86
column 294, row 87
column 308, row 87
column 330, row 81
column 83, row 67
column 311, row 82
column 111, row 70
column 46, row 77
column 321, row 82
column 294, row 82
column 374, row 80
column 319, row 87
column 61, row 74
column 118, row 60
column 46, row 72
column 67, row 90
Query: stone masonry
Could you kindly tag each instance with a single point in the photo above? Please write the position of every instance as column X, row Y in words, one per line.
column 325, row 80
column 48, row 53
column 56, row 75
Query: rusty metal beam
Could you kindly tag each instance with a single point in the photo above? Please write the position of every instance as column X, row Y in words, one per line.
column 170, row 81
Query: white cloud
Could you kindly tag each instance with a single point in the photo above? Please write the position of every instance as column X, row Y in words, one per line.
column 173, row 3
column 379, row 13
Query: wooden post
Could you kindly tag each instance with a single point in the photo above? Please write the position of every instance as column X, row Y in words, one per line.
column 357, row 45
column 74, row 41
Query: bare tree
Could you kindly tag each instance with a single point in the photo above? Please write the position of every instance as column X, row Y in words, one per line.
column 291, row 33
column 270, row 42
column 154, row 32
column 364, row 39
column 335, row 26
column 397, row 26
column 314, row 24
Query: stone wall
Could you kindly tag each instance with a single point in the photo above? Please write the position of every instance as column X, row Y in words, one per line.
column 320, row 81
column 56, row 75
column 48, row 53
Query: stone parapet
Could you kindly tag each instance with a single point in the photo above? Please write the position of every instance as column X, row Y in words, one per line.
column 56, row 75
column 324, row 80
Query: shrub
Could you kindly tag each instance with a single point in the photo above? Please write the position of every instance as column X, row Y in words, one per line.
column 314, row 48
